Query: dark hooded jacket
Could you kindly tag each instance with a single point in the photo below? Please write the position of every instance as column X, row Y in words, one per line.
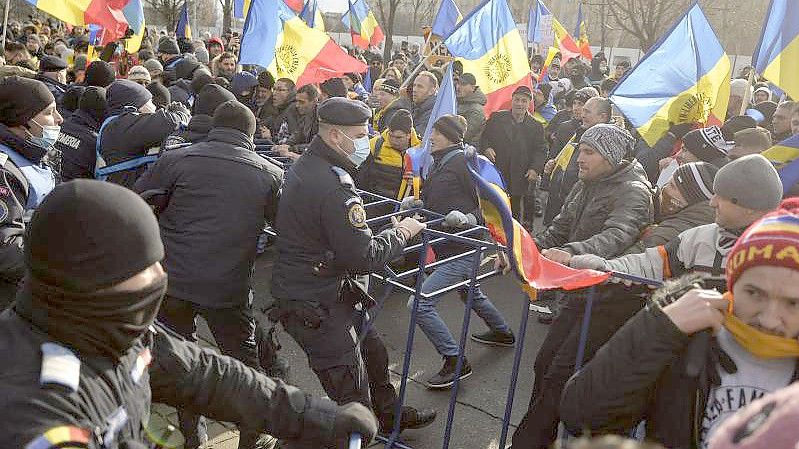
column 78, row 145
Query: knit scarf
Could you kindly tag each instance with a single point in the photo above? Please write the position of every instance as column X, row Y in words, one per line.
column 761, row 344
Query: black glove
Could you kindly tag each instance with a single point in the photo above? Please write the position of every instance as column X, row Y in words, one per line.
column 352, row 418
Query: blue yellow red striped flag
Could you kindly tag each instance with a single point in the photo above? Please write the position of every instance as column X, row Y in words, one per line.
column 581, row 33
column 777, row 55
column 684, row 78
column 364, row 29
column 490, row 47
column 785, row 157
column 275, row 38
column 183, row 28
column 109, row 14
column 534, row 271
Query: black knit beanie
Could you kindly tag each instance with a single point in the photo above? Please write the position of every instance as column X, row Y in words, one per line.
column 93, row 102
column 21, row 99
column 161, row 95
column 232, row 114
column 210, row 98
column 168, row 45
column 401, row 121
column 100, row 73
column 200, row 79
column 127, row 93
column 453, row 127
column 71, row 98
column 88, row 235
column 185, row 68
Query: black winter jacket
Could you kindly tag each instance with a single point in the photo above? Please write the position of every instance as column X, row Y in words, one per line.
column 131, row 135
column 642, row 373
column 78, row 145
column 604, row 216
column 219, row 195
column 519, row 147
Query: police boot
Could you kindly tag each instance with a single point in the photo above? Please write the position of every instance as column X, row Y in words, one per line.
column 410, row 419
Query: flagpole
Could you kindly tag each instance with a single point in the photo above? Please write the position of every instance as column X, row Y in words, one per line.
column 747, row 93
column 5, row 22
column 421, row 65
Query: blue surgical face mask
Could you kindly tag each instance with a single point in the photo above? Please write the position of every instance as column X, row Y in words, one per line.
column 49, row 136
column 361, row 145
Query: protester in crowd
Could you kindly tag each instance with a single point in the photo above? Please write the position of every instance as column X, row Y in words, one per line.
column 263, row 101
column 78, row 139
column 215, row 47
column 225, row 65
column 29, row 128
column 750, row 141
column 781, row 121
column 389, row 102
column 425, row 88
column 243, row 87
column 393, row 73
column 703, row 144
column 283, row 97
column 588, row 110
column 471, row 102
column 181, row 90
column 383, row 171
column 303, row 130
column 665, row 366
column 622, row 67
column 139, row 75
column 599, row 70
column 449, row 190
column 762, row 94
column 514, row 141
column 334, row 87
column 353, row 83
column 133, row 130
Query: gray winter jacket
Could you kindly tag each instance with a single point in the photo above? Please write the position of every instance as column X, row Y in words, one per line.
column 470, row 107
column 603, row 216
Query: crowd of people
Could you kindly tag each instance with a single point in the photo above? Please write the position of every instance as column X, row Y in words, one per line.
column 96, row 332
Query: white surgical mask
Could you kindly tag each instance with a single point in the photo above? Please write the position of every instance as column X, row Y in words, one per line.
column 49, row 136
column 361, row 149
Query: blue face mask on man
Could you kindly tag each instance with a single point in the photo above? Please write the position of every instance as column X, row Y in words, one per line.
column 49, row 136
column 361, row 149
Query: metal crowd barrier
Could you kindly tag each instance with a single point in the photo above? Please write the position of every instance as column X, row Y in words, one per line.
column 473, row 239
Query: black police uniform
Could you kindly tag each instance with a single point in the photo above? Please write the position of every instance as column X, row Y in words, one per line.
column 78, row 145
column 323, row 242
column 53, row 397
column 219, row 184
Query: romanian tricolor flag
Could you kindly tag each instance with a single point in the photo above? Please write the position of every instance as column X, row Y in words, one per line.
column 134, row 14
column 106, row 13
column 312, row 16
column 242, row 7
column 684, row 78
column 534, row 271
column 183, row 29
column 777, row 56
column 566, row 44
column 490, row 47
column 785, row 157
column 275, row 38
column 447, row 18
column 581, row 31
column 363, row 25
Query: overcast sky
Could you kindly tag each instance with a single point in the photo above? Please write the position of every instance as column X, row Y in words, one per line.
column 332, row 5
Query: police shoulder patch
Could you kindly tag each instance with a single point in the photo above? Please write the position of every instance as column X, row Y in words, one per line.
column 343, row 177
column 60, row 366
column 357, row 215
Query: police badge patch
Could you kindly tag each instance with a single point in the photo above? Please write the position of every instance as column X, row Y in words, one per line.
column 357, row 215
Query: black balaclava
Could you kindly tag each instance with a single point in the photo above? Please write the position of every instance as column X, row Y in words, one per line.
column 85, row 237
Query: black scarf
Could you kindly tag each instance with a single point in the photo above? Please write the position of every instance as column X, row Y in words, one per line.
column 105, row 323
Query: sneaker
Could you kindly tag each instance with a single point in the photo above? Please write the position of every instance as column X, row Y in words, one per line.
column 411, row 419
column 495, row 338
column 446, row 377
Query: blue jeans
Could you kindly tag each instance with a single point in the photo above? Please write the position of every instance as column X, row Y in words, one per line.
column 428, row 318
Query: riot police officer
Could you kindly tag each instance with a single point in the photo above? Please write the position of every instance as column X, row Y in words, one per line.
column 88, row 357
column 323, row 242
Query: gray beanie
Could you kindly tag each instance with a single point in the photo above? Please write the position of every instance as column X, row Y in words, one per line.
column 750, row 182
column 612, row 142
